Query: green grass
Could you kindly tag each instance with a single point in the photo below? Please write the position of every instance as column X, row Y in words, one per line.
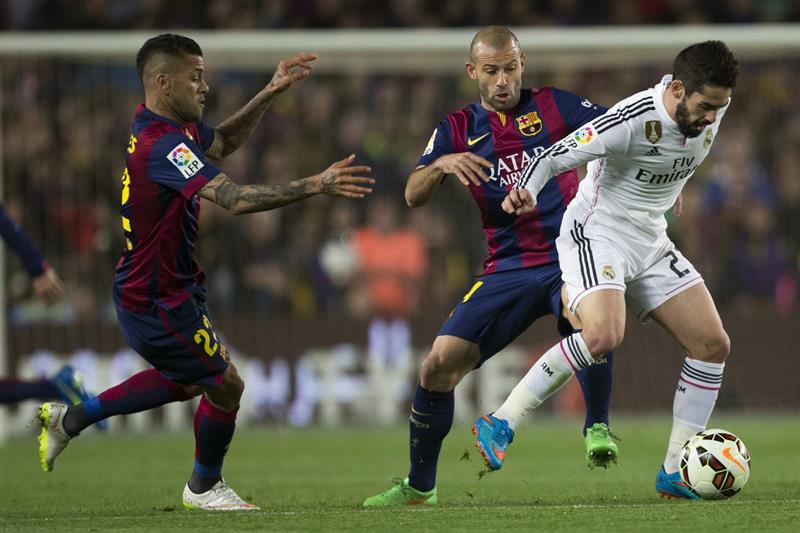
column 316, row 480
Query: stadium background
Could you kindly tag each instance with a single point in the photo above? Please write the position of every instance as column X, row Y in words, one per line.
column 286, row 289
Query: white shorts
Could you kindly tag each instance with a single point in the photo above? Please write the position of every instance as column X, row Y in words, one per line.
column 593, row 259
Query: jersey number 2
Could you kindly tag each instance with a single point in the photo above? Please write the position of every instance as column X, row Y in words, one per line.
column 672, row 266
column 203, row 337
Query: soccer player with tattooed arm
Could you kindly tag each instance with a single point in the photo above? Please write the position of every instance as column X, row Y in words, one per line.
column 158, row 288
column 613, row 247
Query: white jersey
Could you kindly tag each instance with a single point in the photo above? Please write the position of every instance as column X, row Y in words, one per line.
column 638, row 164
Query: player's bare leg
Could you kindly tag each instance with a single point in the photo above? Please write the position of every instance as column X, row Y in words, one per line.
column 602, row 317
column 450, row 359
column 692, row 319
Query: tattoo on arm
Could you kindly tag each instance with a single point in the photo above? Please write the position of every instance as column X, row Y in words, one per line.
column 328, row 182
column 215, row 150
column 236, row 129
column 241, row 199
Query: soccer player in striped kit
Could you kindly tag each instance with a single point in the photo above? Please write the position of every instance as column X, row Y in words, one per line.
column 486, row 146
column 613, row 246
column 67, row 383
column 159, row 291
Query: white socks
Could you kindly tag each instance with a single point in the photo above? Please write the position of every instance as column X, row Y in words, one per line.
column 551, row 372
column 695, row 396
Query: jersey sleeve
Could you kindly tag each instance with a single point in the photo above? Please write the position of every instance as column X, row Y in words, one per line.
column 206, row 135
column 591, row 141
column 22, row 245
column 575, row 109
column 179, row 164
column 439, row 144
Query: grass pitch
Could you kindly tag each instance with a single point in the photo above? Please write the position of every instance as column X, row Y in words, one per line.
column 317, row 479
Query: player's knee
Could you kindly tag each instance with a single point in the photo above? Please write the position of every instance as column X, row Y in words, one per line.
column 602, row 340
column 716, row 348
column 442, row 370
column 227, row 394
column 436, row 371
column 233, row 383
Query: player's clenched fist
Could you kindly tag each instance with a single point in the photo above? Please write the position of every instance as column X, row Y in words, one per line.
column 466, row 166
column 290, row 70
column 519, row 202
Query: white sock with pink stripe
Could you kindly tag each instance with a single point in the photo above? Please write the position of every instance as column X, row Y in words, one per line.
column 551, row 372
column 695, row 396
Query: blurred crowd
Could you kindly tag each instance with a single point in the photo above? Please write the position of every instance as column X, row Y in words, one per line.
column 65, row 125
column 255, row 14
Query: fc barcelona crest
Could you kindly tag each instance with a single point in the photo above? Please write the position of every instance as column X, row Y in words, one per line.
column 529, row 124
column 652, row 131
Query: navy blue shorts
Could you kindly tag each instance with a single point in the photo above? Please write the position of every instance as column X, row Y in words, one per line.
column 500, row 306
column 179, row 343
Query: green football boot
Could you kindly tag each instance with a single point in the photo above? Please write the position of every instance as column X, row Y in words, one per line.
column 601, row 450
column 401, row 495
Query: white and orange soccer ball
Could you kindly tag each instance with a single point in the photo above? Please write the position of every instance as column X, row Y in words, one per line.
column 715, row 464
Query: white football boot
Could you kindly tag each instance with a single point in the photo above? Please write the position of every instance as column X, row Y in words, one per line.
column 220, row 497
column 52, row 439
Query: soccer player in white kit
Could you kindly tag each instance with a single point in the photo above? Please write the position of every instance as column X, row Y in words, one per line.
column 613, row 244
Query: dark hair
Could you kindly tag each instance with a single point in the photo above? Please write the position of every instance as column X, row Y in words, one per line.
column 707, row 63
column 170, row 44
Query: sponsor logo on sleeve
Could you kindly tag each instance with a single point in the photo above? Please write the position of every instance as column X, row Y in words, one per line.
column 429, row 148
column 586, row 103
column 583, row 135
column 185, row 160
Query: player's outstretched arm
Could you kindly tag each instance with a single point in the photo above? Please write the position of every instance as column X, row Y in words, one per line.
column 232, row 132
column 466, row 166
column 46, row 283
column 340, row 179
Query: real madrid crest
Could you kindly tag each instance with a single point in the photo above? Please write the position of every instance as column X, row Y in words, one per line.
column 529, row 124
column 608, row 272
column 709, row 138
column 652, row 131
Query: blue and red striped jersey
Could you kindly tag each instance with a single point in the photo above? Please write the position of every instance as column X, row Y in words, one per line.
column 165, row 168
column 510, row 140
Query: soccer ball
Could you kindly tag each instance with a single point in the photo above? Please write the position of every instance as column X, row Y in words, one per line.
column 715, row 464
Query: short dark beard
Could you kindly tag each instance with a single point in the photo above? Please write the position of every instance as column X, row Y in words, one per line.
column 500, row 107
column 506, row 106
column 688, row 129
